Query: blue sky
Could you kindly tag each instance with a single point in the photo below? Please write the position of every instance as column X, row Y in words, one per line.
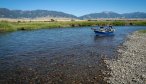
column 77, row 7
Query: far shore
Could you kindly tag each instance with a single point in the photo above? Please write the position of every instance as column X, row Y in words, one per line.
column 7, row 25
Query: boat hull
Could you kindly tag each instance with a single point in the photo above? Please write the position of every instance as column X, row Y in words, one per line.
column 98, row 33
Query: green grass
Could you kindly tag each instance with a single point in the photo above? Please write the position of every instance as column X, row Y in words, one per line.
column 142, row 31
column 6, row 26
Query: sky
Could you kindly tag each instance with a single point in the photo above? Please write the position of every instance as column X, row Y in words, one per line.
column 77, row 7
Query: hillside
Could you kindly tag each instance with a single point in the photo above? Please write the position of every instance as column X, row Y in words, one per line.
column 6, row 13
column 114, row 15
column 17, row 14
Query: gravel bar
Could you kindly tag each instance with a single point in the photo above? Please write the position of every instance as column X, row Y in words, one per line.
column 130, row 66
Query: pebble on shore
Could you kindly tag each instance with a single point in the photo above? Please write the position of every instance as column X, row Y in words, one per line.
column 130, row 67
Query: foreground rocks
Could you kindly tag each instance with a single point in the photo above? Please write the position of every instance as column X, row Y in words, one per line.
column 130, row 67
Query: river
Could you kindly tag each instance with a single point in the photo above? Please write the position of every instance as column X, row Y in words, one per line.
column 60, row 55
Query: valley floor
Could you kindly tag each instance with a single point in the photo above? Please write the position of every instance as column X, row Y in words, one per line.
column 6, row 26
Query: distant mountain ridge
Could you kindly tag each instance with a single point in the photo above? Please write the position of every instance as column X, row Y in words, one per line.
column 114, row 15
column 6, row 13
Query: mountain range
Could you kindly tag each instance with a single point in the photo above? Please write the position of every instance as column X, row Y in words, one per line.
column 114, row 15
column 6, row 13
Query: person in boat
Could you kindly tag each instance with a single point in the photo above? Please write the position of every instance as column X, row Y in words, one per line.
column 102, row 29
column 110, row 29
column 110, row 26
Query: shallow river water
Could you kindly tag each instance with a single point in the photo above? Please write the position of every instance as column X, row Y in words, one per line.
column 58, row 56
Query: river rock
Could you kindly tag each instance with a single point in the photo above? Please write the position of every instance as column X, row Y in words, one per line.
column 130, row 67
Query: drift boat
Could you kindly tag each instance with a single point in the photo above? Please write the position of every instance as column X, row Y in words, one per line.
column 109, row 31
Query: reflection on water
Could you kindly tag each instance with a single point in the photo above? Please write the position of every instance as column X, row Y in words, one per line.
column 70, row 55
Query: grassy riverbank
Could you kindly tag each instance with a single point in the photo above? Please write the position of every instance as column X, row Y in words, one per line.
column 6, row 26
column 142, row 31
